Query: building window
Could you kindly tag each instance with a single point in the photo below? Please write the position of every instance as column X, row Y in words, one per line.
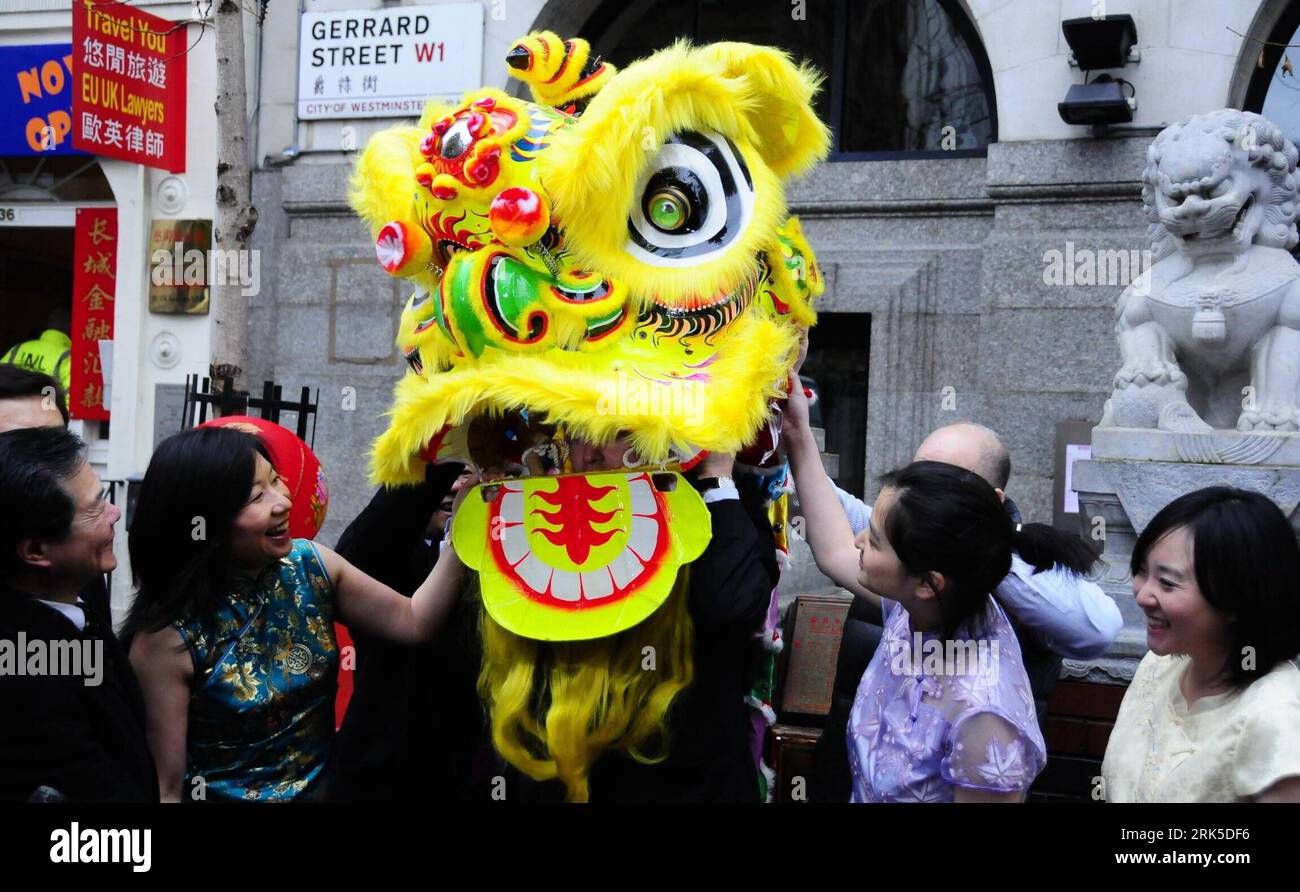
column 64, row 178
column 904, row 78
column 1274, row 90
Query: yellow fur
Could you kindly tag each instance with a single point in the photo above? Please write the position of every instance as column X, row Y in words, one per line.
column 568, row 389
column 732, row 89
column 557, row 707
column 383, row 179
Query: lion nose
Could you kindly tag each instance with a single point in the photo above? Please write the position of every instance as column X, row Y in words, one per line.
column 519, row 216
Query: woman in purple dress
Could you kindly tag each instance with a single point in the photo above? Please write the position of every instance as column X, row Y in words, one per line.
column 944, row 712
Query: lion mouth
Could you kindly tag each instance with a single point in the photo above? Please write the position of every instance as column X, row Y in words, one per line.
column 570, row 518
column 1239, row 224
column 1236, row 231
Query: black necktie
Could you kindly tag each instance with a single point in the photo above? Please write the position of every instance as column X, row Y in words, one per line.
column 93, row 627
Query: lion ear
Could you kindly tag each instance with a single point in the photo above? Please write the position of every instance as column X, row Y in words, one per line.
column 384, row 176
column 791, row 138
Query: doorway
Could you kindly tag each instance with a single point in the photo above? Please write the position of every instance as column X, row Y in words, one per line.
column 839, row 351
column 35, row 282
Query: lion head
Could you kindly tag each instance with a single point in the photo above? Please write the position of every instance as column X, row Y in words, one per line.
column 1218, row 183
column 623, row 235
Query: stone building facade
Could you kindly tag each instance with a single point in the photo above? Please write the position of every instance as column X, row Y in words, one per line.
column 950, row 254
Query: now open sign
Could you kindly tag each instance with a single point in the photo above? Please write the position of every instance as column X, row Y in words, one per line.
column 36, row 88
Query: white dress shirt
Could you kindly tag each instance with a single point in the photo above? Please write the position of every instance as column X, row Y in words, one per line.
column 75, row 613
column 1066, row 613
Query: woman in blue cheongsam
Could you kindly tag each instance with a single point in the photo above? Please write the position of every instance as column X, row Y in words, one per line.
column 232, row 628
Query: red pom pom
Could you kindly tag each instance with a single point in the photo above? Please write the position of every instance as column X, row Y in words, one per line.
column 518, row 216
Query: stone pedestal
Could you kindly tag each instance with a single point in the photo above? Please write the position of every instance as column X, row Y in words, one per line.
column 1132, row 475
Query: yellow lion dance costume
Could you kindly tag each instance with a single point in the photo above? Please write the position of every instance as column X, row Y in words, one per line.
column 612, row 259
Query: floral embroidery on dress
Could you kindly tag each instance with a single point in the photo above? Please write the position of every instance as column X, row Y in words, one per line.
column 977, row 690
column 915, row 737
column 1005, row 767
column 261, row 718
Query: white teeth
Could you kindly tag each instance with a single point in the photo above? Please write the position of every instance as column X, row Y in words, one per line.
column 514, row 543
column 534, row 573
column 576, row 586
column 565, row 586
column 597, row 584
column 512, row 507
column 643, row 500
column 625, row 568
column 643, row 537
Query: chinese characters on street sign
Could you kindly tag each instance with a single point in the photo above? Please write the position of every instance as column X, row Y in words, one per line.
column 384, row 63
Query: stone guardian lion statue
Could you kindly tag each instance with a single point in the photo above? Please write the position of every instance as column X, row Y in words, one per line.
column 1210, row 336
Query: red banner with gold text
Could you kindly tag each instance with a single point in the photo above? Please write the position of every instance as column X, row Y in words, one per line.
column 128, row 98
column 94, row 279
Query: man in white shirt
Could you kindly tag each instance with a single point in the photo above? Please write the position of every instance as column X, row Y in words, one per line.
column 1063, row 612
column 1056, row 613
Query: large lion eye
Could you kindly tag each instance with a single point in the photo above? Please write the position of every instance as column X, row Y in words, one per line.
column 695, row 198
column 668, row 209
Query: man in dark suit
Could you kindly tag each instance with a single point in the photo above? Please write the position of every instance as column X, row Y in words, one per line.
column 33, row 399
column 72, row 722
column 415, row 730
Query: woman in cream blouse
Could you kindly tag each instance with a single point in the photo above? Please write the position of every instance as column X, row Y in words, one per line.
column 1213, row 713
